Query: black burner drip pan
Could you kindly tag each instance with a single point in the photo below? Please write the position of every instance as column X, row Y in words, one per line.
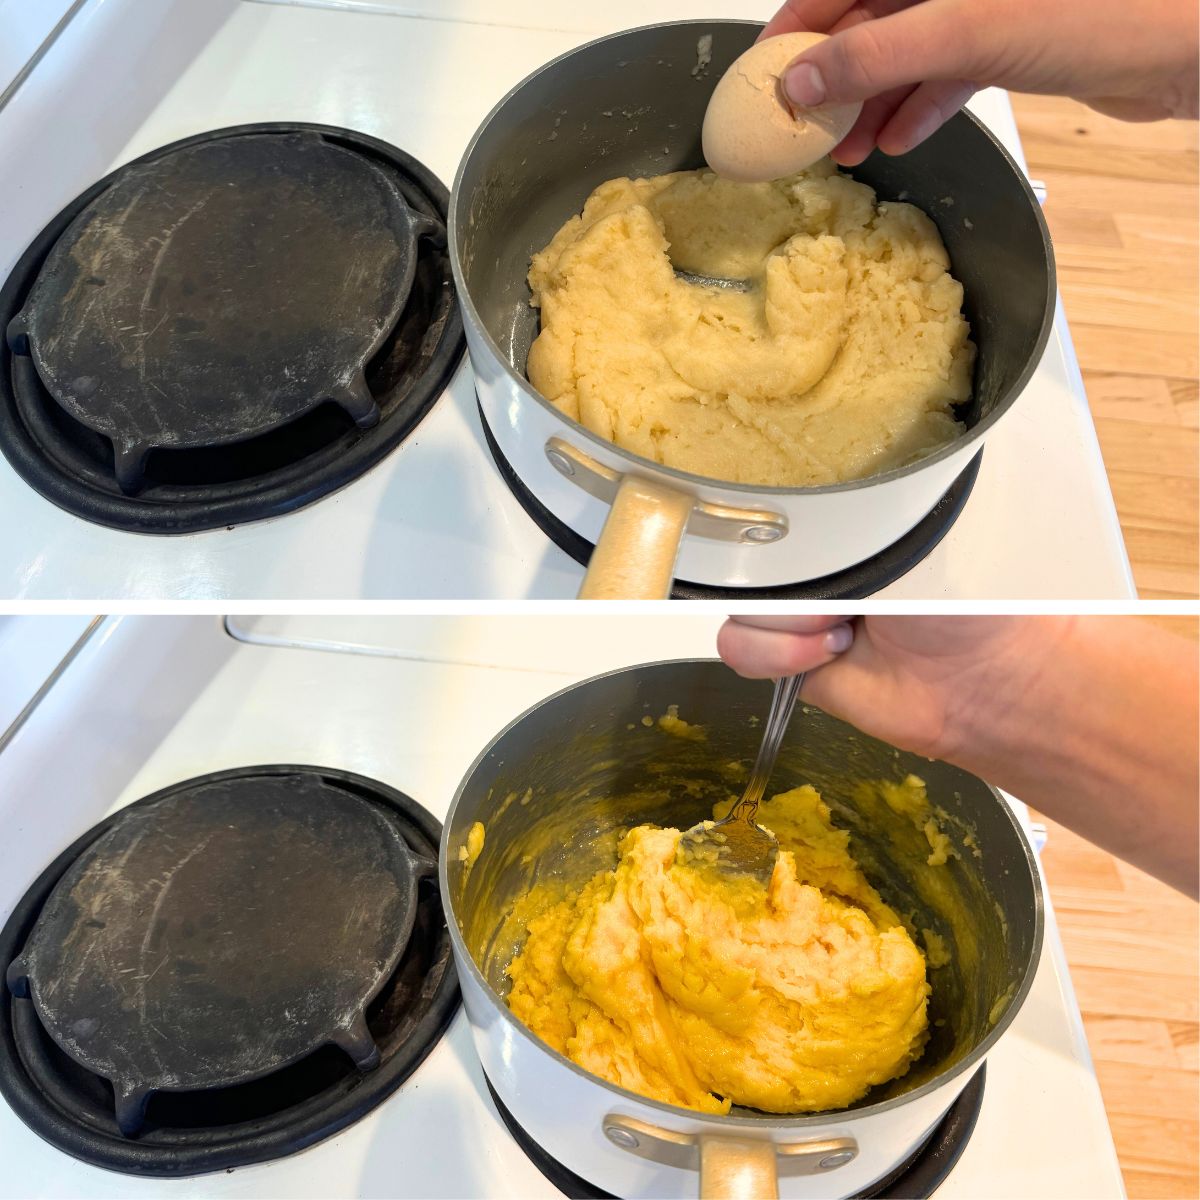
column 228, row 328
column 862, row 579
column 918, row 1177
column 231, row 1058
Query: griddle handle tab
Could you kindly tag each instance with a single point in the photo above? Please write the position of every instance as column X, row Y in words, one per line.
column 17, row 335
column 16, row 979
column 431, row 228
column 356, row 1040
column 357, row 402
column 130, row 1102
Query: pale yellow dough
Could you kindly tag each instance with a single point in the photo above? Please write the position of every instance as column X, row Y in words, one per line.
column 843, row 361
column 673, row 984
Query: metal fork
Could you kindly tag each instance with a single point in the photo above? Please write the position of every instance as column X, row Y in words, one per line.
column 738, row 845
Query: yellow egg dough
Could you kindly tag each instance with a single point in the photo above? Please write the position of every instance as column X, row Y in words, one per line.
column 844, row 358
column 674, row 984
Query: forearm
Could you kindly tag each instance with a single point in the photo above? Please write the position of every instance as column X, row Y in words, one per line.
column 1099, row 734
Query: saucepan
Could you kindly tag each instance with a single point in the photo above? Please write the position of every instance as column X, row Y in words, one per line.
column 633, row 104
column 551, row 789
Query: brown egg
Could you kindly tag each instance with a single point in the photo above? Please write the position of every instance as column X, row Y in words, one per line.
column 752, row 133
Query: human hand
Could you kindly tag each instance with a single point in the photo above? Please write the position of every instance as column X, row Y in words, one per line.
column 1092, row 720
column 913, row 681
column 914, row 63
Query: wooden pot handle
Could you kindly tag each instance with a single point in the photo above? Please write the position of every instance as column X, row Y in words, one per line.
column 737, row 1169
column 635, row 556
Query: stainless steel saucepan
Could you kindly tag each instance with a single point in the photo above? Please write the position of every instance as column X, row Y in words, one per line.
column 633, row 104
column 552, row 788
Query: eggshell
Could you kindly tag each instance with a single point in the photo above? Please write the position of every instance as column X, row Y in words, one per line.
column 752, row 134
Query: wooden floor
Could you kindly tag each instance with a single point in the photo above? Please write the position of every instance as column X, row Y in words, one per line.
column 1122, row 208
column 1131, row 944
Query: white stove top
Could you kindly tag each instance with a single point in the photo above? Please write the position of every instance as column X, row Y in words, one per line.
column 153, row 700
column 434, row 519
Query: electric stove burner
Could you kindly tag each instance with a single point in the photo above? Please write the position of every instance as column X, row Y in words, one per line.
column 919, row 1176
column 226, row 971
column 228, row 328
column 862, row 579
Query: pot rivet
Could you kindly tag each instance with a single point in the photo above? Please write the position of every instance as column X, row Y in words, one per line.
column 622, row 1137
column 839, row 1158
column 762, row 533
column 560, row 462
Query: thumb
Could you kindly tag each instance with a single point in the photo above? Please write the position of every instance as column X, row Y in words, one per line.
column 930, row 40
column 767, row 647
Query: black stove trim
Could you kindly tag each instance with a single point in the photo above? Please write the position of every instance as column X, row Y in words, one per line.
column 918, row 1177
column 146, row 1159
column 289, row 488
column 854, row 583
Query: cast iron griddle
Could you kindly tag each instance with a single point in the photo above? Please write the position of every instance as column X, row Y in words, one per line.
column 221, row 933
column 221, row 291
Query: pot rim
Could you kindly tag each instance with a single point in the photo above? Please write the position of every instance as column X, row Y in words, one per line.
column 810, row 1120
column 473, row 321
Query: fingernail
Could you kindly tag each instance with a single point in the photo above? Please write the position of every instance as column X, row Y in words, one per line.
column 839, row 639
column 804, row 86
